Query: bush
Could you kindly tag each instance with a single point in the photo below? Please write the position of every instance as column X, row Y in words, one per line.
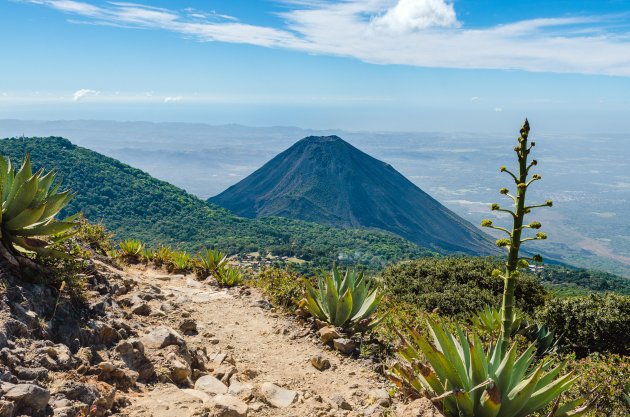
column 456, row 286
column 283, row 286
column 594, row 323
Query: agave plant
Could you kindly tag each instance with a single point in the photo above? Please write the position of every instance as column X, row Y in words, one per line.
column 346, row 301
column 212, row 261
column 30, row 203
column 229, row 276
column 162, row 255
column 466, row 381
column 546, row 339
column 181, row 261
column 489, row 320
column 130, row 249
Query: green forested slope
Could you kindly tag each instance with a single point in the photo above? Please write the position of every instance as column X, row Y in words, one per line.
column 131, row 203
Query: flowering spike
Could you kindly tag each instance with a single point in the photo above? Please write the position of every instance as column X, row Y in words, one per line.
column 504, row 190
column 541, row 235
column 494, row 206
column 486, row 223
column 535, row 225
column 502, row 243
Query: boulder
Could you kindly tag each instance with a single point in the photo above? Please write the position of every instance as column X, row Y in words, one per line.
column 210, row 385
column 240, row 390
column 229, row 406
column 277, row 396
column 380, row 397
column 28, row 397
column 161, row 338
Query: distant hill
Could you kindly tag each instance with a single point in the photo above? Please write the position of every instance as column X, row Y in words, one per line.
column 326, row 180
column 131, row 203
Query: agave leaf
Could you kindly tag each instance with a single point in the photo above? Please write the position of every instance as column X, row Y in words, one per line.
column 55, row 203
column 332, row 297
column 50, row 228
column 546, row 394
column 27, row 217
column 369, row 305
column 520, row 394
column 448, row 346
column 344, row 308
column 489, row 402
column 22, row 198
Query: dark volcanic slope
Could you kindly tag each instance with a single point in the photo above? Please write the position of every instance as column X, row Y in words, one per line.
column 327, row 180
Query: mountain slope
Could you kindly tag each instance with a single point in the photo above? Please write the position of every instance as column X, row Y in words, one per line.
column 131, row 203
column 327, row 180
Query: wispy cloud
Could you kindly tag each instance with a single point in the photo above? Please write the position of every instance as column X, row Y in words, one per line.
column 410, row 32
column 84, row 92
column 173, row 99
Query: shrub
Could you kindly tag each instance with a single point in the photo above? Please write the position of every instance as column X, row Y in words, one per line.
column 593, row 323
column 282, row 286
column 181, row 261
column 130, row 250
column 346, row 301
column 229, row 276
column 211, row 261
column 456, row 286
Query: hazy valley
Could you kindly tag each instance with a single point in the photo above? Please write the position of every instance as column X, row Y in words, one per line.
column 586, row 176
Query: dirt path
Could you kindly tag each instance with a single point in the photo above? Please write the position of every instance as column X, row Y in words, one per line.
column 266, row 347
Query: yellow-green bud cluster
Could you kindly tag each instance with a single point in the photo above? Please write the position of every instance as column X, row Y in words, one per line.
column 486, row 223
column 502, row 243
column 535, row 225
column 504, row 190
column 536, row 177
column 522, row 263
column 549, row 203
column 494, row 206
column 496, row 273
column 541, row 235
column 522, row 186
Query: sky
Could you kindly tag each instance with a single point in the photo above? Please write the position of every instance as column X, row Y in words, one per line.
column 420, row 65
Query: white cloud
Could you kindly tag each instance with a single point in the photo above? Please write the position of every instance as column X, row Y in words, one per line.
column 412, row 15
column 498, row 109
column 423, row 33
column 173, row 99
column 84, row 92
column 475, row 98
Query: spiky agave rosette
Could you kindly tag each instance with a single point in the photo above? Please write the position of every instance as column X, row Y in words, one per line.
column 30, row 204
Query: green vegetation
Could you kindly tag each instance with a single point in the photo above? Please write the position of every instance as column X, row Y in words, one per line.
column 131, row 250
column 29, row 204
column 576, row 281
column 344, row 300
column 473, row 383
column 456, row 286
column 132, row 204
column 211, row 262
column 229, row 276
column 594, row 323
column 284, row 287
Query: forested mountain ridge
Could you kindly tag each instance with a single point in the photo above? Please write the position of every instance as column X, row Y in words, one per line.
column 132, row 204
column 326, row 180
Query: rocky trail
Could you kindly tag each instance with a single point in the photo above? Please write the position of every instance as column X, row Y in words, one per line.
column 147, row 343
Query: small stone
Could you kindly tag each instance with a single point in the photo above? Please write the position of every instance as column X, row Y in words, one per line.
column 240, row 390
column 277, row 396
column 320, row 363
column 345, row 345
column 7, row 408
column 229, row 406
column 210, row 385
column 188, row 326
column 180, row 371
column 107, row 367
column 141, row 309
column 162, row 337
column 380, row 397
column 198, row 394
column 328, row 334
column 341, row 402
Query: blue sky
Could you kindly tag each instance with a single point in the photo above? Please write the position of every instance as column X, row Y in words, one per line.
column 424, row 65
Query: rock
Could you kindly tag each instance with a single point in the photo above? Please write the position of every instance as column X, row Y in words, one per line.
column 380, row 397
column 198, row 394
column 180, row 371
column 229, row 406
column 210, row 385
column 162, row 337
column 188, row 326
column 264, row 304
column 105, row 401
column 28, row 397
column 320, row 363
column 224, row 372
column 240, row 390
column 141, row 309
column 30, row 374
column 107, row 367
column 422, row 407
column 7, row 408
column 193, row 283
column 341, row 402
column 328, row 334
column 345, row 345
column 277, row 396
